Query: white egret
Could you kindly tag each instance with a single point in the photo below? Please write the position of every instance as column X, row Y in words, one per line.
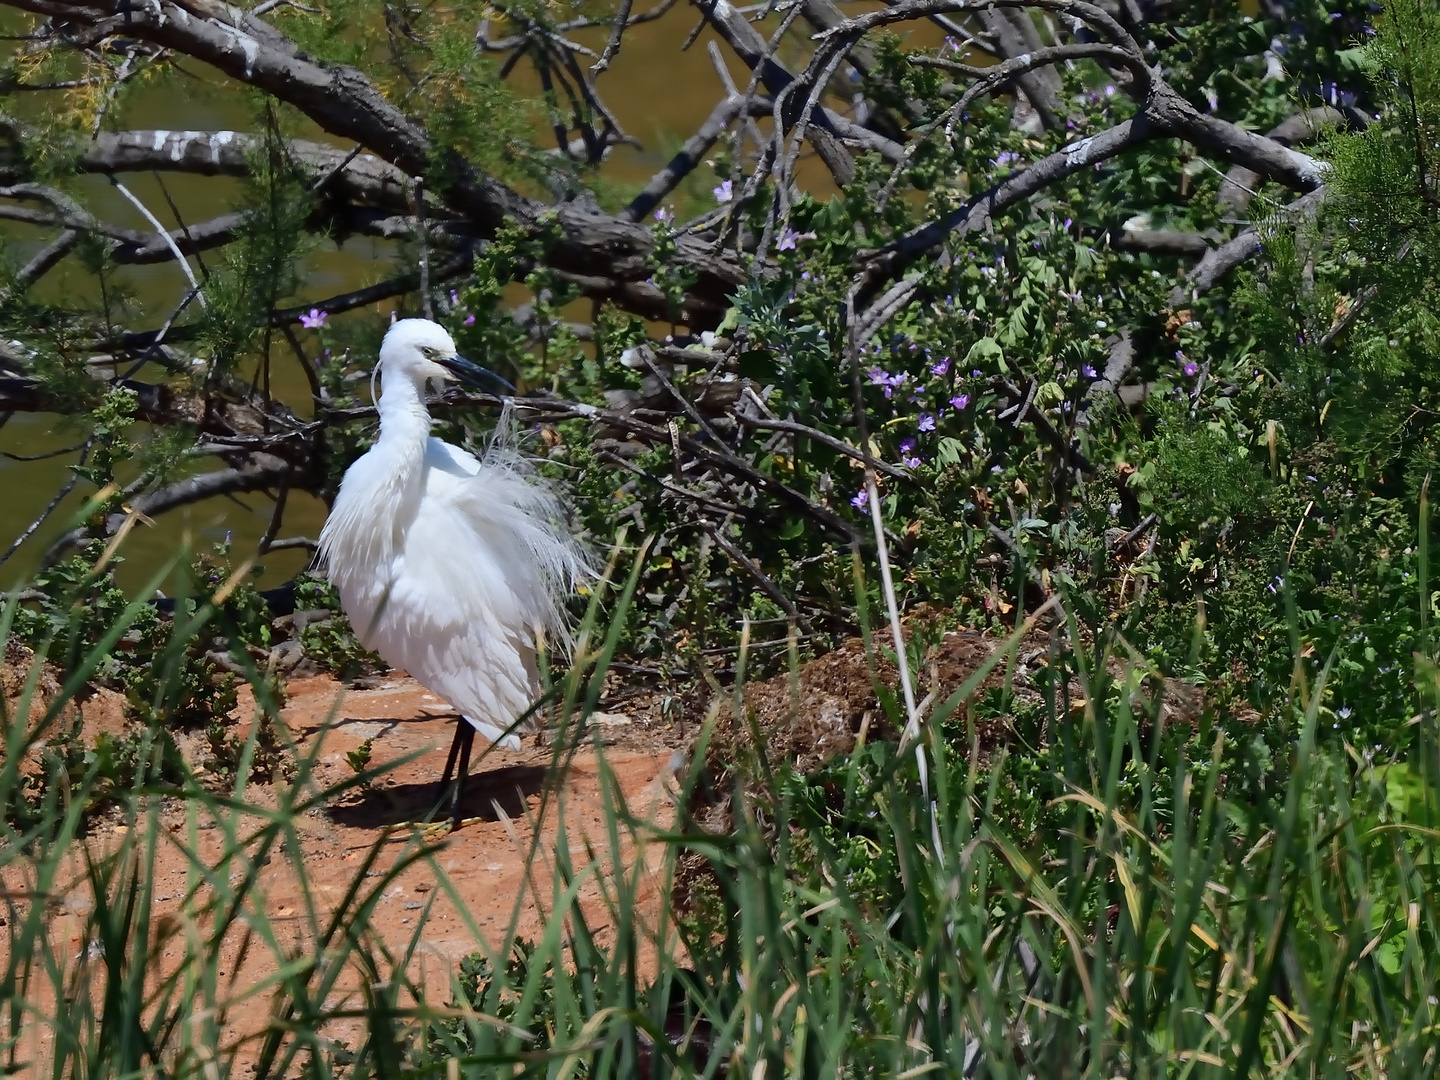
column 448, row 565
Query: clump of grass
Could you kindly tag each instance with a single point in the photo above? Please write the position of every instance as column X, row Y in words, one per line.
column 1169, row 913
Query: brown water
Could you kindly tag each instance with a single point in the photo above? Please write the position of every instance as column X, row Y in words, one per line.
column 659, row 95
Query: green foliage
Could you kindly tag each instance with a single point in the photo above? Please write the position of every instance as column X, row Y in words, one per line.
column 259, row 757
column 493, row 989
column 146, row 756
column 1114, row 894
column 75, row 608
column 330, row 642
column 1105, row 892
column 359, row 758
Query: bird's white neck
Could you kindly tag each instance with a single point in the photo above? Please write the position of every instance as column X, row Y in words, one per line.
column 404, row 418
column 404, row 433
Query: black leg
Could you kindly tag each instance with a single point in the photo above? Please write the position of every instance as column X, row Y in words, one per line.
column 460, row 728
column 463, row 774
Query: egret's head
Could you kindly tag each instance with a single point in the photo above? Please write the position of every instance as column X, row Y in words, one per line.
column 420, row 350
column 416, row 348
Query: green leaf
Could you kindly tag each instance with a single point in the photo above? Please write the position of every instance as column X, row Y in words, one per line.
column 987, row 348
column 757, row 364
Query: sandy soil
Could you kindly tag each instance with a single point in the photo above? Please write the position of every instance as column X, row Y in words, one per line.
column 483, row 879
column 486, row 866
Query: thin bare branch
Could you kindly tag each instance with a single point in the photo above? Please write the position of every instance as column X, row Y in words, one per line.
column 612, row 47
column 161, row 231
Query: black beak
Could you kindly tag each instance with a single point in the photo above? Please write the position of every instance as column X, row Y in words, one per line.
column 472, row 374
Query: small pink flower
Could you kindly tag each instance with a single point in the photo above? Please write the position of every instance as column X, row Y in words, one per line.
column 724, row 192
column 861, row 500
column 469, row 320
column 960, row 400
column 315, row 320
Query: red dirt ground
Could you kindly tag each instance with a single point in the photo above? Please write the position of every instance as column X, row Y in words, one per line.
column 485, row 862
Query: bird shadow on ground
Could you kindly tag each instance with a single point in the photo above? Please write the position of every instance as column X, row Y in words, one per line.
column 487, row 794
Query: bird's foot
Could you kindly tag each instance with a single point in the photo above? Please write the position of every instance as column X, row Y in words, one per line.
column 435, row 831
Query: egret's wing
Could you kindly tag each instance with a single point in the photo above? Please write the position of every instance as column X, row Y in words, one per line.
column 472, row 586
column 454, row 586
column 449, row 458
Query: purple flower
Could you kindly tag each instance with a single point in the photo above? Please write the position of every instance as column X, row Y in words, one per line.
column 1006, row 157
column 910, row 462
column 665, row 216
column 724, row 192
column 315, row 320
column 861, row 500
column 926, row 422
column 942, row 368
column 1109, row 91
column 469, row 320
column 1191, row 368
column 788, row 239
column 1087, row 370
column 907, row 444
column 960, row 400
column 878, row 376
column 454, row 297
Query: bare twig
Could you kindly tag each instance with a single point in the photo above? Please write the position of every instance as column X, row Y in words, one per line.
column 838, row 445
column 51, row 507
column 689, row 155
column 723, row 71
column 1221, row 260
column 751, row 567
column 273, row 529
column 1021, row 400
column 170, row 241
column 46, row 259
column 1138, row 531
column 612, row 47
